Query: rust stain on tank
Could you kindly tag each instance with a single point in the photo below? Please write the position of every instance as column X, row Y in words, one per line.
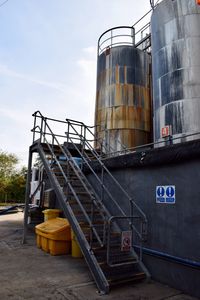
column 123, row 103
column 117, row 74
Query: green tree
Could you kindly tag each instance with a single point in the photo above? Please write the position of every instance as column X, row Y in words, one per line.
column 12, row 181
column 8, row 163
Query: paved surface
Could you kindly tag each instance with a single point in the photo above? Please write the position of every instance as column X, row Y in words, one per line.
column 29, row 273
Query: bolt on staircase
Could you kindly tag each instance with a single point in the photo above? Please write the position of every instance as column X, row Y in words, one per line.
column 106, row 240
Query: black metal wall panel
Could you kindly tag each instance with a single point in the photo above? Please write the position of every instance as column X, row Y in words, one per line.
column 173, row 229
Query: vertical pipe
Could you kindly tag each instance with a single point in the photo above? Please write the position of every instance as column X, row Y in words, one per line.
column 26, row 209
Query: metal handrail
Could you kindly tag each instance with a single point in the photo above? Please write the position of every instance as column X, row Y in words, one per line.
column 98, row 179
column 98, row 141
column 112, row 37
column 132, row 203
column 86, row 143
column 151, row 145
column 142, row 218
column 110, row 147
column 129, row 219
column 73, row 165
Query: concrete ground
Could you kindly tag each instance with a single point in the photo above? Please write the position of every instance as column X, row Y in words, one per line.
column 27, row 272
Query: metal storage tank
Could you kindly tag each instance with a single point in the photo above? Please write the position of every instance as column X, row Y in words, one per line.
column 175, row 30
column 123, row 102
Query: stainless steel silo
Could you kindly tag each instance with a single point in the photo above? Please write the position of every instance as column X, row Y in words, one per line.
column 123, row 102
column 175, row 31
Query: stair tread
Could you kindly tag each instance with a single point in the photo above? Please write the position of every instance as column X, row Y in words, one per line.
column 125, row 278
column 85, row 224
column 81, row 193
column 74, row 202
column 122, row 260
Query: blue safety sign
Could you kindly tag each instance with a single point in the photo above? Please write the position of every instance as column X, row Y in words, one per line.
column 165, row 194
column 160, row 194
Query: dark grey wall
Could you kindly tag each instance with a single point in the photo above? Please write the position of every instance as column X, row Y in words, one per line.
column 172, row 228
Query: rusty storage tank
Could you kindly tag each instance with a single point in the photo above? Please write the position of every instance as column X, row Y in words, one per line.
column 123, row 102
column 175, row 30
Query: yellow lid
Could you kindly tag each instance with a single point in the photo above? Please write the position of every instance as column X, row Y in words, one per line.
column 53, row 225
column 53, row 210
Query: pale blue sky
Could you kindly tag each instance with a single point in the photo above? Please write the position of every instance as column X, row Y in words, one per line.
column 48, row 61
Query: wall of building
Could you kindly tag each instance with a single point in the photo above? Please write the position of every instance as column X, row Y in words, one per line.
column 173, row 229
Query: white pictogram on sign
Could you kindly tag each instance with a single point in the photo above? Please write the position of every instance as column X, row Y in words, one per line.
column 126, row 240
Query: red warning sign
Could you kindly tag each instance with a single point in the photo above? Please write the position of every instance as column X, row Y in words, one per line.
column 166, row 131
column 126, row 240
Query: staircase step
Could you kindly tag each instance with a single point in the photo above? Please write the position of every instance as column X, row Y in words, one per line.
column 131, row 268
column 124, row 260
column 121, row 279
column 79, row 212
column 56, row 149
column 115, row 257
column 76, row 183
column 83, row 202
column 81, row 193
column 96, row 223
column 96, row 217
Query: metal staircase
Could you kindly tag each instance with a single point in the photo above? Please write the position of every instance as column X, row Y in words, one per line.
column 107, row 240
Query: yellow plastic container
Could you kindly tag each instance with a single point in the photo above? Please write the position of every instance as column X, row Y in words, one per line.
column 51, row 214
column 76, row 251
column 54, row 236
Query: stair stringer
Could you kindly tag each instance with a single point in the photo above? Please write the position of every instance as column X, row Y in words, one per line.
column 90, row 258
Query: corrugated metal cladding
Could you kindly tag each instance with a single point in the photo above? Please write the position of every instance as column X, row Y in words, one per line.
column 123, row 104
column 175, row 27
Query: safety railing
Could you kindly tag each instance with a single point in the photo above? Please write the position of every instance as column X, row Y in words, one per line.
column 138, row 35
column 47, row 136
column 86, row 159
column 105, row 170
column 79, row 132
column 120, row 249
column 45, row 131
column 166, row 142
column 106, row 193
column 116, row 36
column 142, row 29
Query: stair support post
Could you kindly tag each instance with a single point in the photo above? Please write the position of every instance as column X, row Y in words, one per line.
column 27, row 198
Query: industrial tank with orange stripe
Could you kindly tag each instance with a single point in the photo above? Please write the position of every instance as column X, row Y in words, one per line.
column 123, row 102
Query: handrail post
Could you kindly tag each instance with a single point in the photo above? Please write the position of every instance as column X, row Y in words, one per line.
column 84, row 136
column 68, row 132
column 45, row 127
column 27, row 196
column 34, row 125
column 102, row 184
column 133, row 35
column 108, row 240
column 111, row 38
column 41, row 129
